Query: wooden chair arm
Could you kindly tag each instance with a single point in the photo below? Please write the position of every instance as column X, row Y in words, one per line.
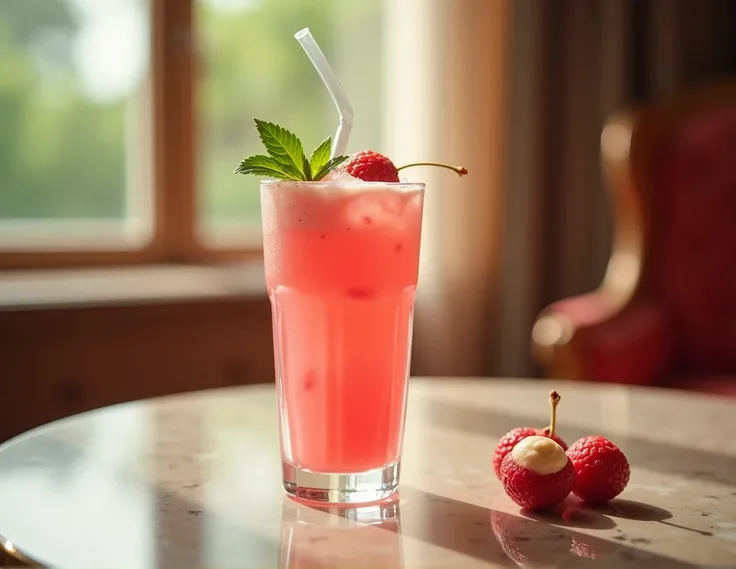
column 589, row 338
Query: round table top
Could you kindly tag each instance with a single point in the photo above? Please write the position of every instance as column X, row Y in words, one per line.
column 194, row 481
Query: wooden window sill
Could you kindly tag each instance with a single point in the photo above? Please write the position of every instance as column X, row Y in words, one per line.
column 117, row 286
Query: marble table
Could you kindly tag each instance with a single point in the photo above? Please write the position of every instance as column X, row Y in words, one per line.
column 193, row 481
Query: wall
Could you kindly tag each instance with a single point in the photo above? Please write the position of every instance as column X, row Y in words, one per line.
column 57, row 362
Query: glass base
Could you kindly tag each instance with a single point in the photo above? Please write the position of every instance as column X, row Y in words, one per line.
column 341, row 488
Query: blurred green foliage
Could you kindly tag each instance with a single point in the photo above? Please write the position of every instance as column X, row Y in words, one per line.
column 63, row 153
column 60, row 156
column 252, row 67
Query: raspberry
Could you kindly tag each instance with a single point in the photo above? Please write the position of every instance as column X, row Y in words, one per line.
column 537, row 474
column 514, row 436
column 601, row 469
column 371, row 167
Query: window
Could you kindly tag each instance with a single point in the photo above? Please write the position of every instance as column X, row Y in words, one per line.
column 74, row 106
column 122, row 120
column 250, row 66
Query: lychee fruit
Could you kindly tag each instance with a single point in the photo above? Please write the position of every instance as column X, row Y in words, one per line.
column 510, row 439
column 601, row 469
column 537, row 474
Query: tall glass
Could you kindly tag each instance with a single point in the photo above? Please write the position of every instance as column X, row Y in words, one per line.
column 342, row 262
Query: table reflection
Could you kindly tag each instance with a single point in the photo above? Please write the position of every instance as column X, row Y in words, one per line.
column 319, row 537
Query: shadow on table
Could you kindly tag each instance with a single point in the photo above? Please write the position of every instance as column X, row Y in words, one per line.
column 572, row 513
column 693, row 463
column 510, row 540
column 632, row 510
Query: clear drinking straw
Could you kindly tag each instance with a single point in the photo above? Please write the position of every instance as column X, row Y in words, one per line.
column 344, row 108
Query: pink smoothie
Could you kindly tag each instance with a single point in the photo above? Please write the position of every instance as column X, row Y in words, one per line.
column 341, row 269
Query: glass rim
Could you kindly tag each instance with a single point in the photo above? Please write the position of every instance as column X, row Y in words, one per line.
column 343, row 184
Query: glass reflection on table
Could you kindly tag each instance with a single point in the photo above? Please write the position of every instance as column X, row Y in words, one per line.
column 320, row 537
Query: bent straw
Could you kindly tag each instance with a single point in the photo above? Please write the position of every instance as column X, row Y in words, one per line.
column 344, row 108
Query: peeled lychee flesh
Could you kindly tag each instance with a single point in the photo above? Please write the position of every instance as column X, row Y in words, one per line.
column 537, row 474
column 512, row 438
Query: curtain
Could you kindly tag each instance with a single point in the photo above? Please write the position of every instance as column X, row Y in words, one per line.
column 446, row 99
column 518, row 91
column 574, row 63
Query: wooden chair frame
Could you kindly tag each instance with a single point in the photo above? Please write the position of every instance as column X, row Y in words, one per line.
column 628, row 142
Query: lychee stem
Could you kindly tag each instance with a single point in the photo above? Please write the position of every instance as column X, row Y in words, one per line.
column 459, row 170
column 554, row 401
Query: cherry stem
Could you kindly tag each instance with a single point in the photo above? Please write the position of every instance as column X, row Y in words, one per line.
column 554, row 401
column 459, row 170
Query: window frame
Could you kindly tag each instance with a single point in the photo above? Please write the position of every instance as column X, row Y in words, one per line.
column 173, row 93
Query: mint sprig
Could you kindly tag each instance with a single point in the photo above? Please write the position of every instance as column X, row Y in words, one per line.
column 261, row 165
column 321, row 155
column 282, row 145
column 286, row 159
column 330, row 166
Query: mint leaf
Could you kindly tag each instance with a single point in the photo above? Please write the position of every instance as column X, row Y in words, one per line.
column 286, row 159
column 321, row 155
column 283, row 146
column 330, row 166
column 264, row 166
column 307, row 169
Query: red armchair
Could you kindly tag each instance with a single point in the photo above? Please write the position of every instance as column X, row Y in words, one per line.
column 665, row 313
